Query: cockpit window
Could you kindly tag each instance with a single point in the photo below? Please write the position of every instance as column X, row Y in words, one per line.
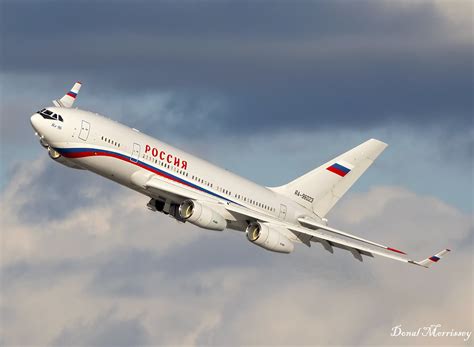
column 47, row 114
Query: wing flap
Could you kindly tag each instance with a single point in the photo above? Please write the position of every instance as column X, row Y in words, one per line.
column 330, row 237
column 351, row 244
column 315, row 225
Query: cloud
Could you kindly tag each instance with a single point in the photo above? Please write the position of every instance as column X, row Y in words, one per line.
column 86, row 263
column 111, row 272
column 323, row 65
column 105, row 331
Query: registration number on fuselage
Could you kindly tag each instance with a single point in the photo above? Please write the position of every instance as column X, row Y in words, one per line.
column 304, row 196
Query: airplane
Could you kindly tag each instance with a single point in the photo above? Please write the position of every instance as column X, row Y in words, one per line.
column 193, row 190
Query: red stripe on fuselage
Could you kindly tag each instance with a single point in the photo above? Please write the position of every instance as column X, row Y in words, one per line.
column 113, row 155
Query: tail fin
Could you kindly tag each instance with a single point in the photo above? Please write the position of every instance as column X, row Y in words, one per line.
column 68, row 99
column 319, row 190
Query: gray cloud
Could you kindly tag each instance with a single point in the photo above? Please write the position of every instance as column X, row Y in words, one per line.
column 197, row 74
column 322, row 65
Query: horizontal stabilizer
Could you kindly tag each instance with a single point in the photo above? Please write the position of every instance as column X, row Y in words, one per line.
column 68, row 99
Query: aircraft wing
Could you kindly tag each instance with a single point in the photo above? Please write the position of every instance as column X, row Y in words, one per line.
column 331, row 237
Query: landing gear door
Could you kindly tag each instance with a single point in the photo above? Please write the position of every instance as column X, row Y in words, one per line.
column 282, row 212
column 85, row 128
column 135, row 153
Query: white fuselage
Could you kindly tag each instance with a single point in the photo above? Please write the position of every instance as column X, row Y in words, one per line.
column 192, row 190
column 115, row 151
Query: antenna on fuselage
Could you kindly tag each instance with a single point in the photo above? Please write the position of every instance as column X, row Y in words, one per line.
column 68, row 99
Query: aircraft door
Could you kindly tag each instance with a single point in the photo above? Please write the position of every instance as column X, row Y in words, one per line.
column 135, row 153
column 282, row 212
column 85, row 128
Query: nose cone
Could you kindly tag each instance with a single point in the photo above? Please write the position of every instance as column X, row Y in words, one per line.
column 36, row 122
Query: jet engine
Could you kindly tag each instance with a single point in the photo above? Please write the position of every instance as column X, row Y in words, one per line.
column 270, row 239
column 201, row 215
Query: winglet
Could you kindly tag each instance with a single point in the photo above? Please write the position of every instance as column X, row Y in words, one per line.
column 68, row 99
column 433, row 259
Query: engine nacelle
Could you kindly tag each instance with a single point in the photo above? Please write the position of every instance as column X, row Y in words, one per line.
column 270, row 239
column 201, row 215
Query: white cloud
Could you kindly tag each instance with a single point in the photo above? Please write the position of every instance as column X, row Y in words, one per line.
column 111, row 269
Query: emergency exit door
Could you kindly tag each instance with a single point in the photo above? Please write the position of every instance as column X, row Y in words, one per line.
column 135, row 153
column 282, row 212
column 85, row 128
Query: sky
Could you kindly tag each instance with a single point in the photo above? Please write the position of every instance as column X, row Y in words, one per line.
column 268, row 90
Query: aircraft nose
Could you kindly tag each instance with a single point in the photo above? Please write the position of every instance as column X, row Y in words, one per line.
column 36, row 121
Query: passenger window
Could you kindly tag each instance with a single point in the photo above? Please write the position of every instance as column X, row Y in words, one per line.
column 60, row 118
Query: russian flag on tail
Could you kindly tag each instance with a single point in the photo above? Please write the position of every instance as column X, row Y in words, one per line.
column 72, row 94
column 68, row 99
column 339, row 169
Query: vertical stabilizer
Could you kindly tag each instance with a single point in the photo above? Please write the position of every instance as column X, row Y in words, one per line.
column 320, row 189
column 68, row 99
